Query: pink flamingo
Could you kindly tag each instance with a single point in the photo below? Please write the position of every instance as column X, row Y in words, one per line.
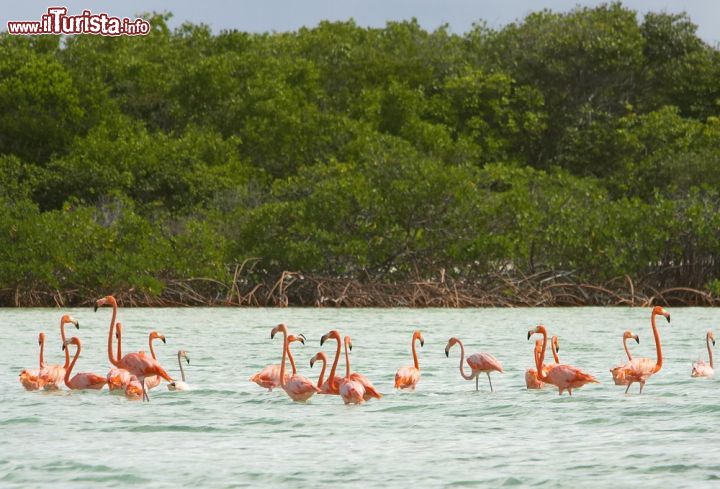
column 351, row 390
column 154, row 381
column 138, row 364
column 82, row 380
column 332, row 385
column 269, row 377
column 561, row 376
column 120, row 379
column 52, row 376
column 700, row 368
column 618, row 374
column 478, row 362
column 323, row 358
column 641, row 369
column 531, row 377
column 299, row 388
column 30, row 377
column 408, row 377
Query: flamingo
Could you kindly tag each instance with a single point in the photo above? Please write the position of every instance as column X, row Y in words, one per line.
column 478, row 362
column 269, row 377
column 138, row 364
column 323, row 358
column 531, row 377
column 617, row 371
column 180, row 385
column 640, row 369
column 331, row 386
column 30, row 377
column 83, row 380
column 561, row 376
column 351, row 390
column 408, row 377
column 700, row 368
column 299, row 388
column 51, row 376
column 120, row 379
column 154, row 381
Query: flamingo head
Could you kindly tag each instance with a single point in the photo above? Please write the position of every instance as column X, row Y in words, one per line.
column 118, row 330
column 69, row 319
column 108, row 299
column 279, row 328
column 184, row 354
column 348, row 343
column 711, row 336
column 318, row 356
column 556, row 344
column 418, row 335
column 628, row 335
column 335, row 334
column 74, row 340
column 41, row 338
column 659, row 310
column 451, row 342
column 301, row 338
column 539, row 329
column 156, row 335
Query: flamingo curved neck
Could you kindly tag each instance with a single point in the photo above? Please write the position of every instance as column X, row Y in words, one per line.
column 62, row 335
column 113, row 361
column 42, row 348
column 152, row 351
column 658, row 347
column 414, row 353
column 627, row 350
column 347, row 361
column 554, row 352
column 331, row 377
column 282, row 363
column 322, row 372
column 291, row 359
column 462, row 359
column 72, row 365
column 541, row 358
column 707, row 339
column 182, row 372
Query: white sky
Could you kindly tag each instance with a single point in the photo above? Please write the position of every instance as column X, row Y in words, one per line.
column 282, row 15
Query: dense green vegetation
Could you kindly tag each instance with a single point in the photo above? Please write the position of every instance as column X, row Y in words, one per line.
column 586, row 141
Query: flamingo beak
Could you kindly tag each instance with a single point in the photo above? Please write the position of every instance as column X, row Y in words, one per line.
column 63, row 348
column 530, row 333
column 667, row 316
column 447, row 352
column 163, row 339
column 322, row 339
column 713, row 341
column 637, row 338
column 557, row 348
column 301, row 338
column 77, row 324
column 95, row 308
column 350, row 346
column 422, row 342
column 312, row 362
column 187, row 359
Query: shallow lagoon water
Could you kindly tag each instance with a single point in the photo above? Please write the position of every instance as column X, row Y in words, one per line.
column 228, row 432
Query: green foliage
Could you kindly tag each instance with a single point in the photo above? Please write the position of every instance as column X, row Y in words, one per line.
column 584, row 141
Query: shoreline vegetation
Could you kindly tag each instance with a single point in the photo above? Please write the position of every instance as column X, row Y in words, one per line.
column 292, row 289
column 568, row 158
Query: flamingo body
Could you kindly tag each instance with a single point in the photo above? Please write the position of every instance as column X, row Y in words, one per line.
column 352, row 391
column 407, row 378
column 700, row 368
column 567, row 377
column 30, row 379
column 87, row 380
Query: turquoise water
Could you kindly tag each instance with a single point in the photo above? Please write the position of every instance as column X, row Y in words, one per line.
column 228, row 432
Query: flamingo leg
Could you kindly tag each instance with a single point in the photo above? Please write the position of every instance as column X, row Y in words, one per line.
column 488, row 374
column 477, row 387
column 145, row 396
column 642, row 384
column 570, row 391
column 628, row 387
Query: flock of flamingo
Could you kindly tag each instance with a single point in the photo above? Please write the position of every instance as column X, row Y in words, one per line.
column 134, row 374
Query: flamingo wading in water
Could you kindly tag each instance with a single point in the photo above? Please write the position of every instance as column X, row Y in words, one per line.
column 641, row 369
column 408, row 377
column 352, row 391
column 30, row 377
column 138, row 364
column 618, row 372
column 299, row 388
column 269, row 377
column 154, row 381
column 323, row 358
column 52, row 376
column 561, row 376
column 700, row 368
column 332, row 384
column 479, row 363
column 82, row 380
column 531, row 376
column 180, row 385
